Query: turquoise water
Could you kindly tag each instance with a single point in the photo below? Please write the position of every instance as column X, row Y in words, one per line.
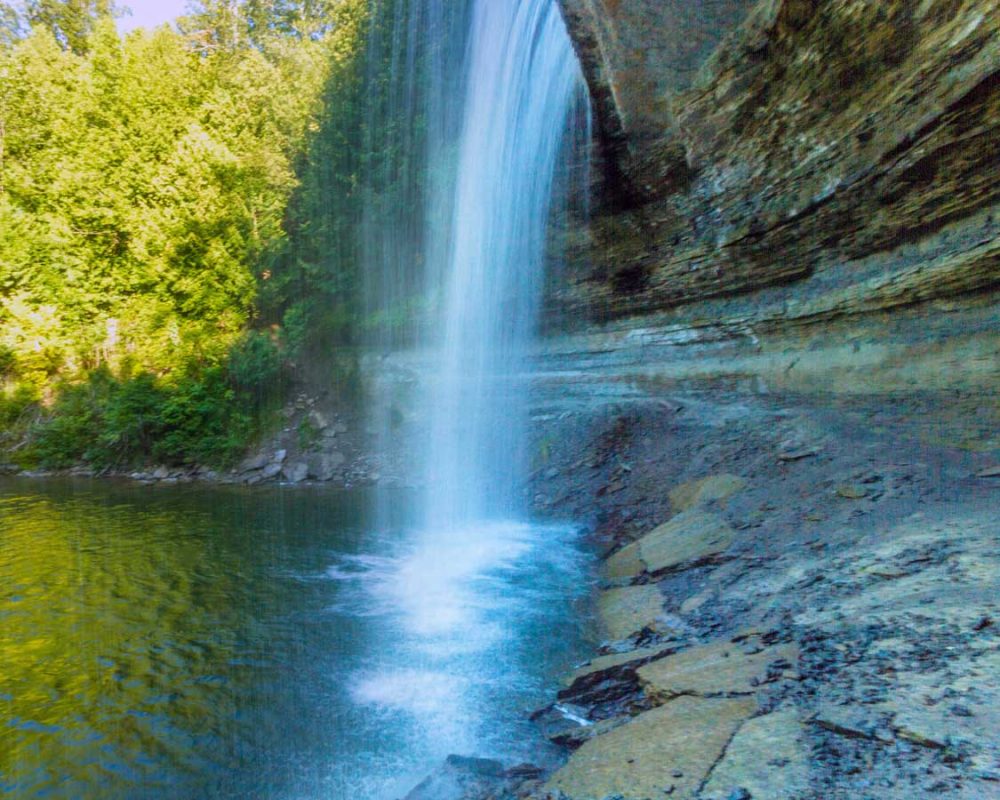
column 183, row 642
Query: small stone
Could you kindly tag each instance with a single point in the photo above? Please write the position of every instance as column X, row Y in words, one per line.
column 797, row 455
column 280, row 456
column 270, row 471
column 318, row 421
column 851, row 492
column 691, row 538
column 254, row 463
column 296, row 472
column 992, row 472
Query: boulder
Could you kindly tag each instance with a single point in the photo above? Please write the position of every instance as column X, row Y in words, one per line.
column 254, row 462
column 296, row 472
column 462, row 779
column 270, row 471
column 690, row 539
column 323, row 466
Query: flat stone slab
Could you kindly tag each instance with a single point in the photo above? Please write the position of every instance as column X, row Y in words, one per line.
column 689, row 539
column 714, row 488
column 768, row 757
column 629, row 609
column 722, row 668
column 616, row 660
column 666, row 752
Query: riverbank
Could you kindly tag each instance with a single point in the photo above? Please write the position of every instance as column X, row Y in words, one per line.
column 798, row 595
column 319, row 439
column 799, row 600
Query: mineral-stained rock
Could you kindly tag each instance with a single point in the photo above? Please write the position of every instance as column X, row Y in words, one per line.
column 690, row 539
column 630, row 609
column 674, row 745
column 712, row 488
column 768, row 757
column 721, row 668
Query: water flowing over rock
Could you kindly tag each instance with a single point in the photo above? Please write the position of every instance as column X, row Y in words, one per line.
column 482, row 101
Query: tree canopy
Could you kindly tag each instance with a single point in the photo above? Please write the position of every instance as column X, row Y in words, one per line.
column 149, row 186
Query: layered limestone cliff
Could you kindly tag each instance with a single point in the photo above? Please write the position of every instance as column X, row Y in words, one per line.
column 802, row 192
column 769, row 385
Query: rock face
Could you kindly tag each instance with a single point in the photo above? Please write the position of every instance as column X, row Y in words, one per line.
column 638, row 54
column 779, row 177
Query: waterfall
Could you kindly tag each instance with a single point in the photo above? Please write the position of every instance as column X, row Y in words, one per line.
column 470, row 108
column 476, row 108
column 521, row 82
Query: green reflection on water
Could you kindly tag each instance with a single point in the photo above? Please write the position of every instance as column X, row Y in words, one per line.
column 148, row 638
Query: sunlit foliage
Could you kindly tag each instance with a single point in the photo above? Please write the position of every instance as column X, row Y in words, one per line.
column 145, row 184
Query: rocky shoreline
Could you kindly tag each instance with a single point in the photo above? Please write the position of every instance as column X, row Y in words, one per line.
column 798, row 597
column 799, row 600
column 317, row 442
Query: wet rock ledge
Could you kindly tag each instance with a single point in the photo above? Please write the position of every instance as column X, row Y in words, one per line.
column 798, row 601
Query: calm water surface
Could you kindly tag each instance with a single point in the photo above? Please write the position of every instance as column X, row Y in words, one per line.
column 179, row 642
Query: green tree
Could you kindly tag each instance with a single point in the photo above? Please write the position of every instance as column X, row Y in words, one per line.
column 70, row 21
column 161, row 194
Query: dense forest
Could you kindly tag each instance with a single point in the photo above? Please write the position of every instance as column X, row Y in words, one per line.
column 176, row 209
